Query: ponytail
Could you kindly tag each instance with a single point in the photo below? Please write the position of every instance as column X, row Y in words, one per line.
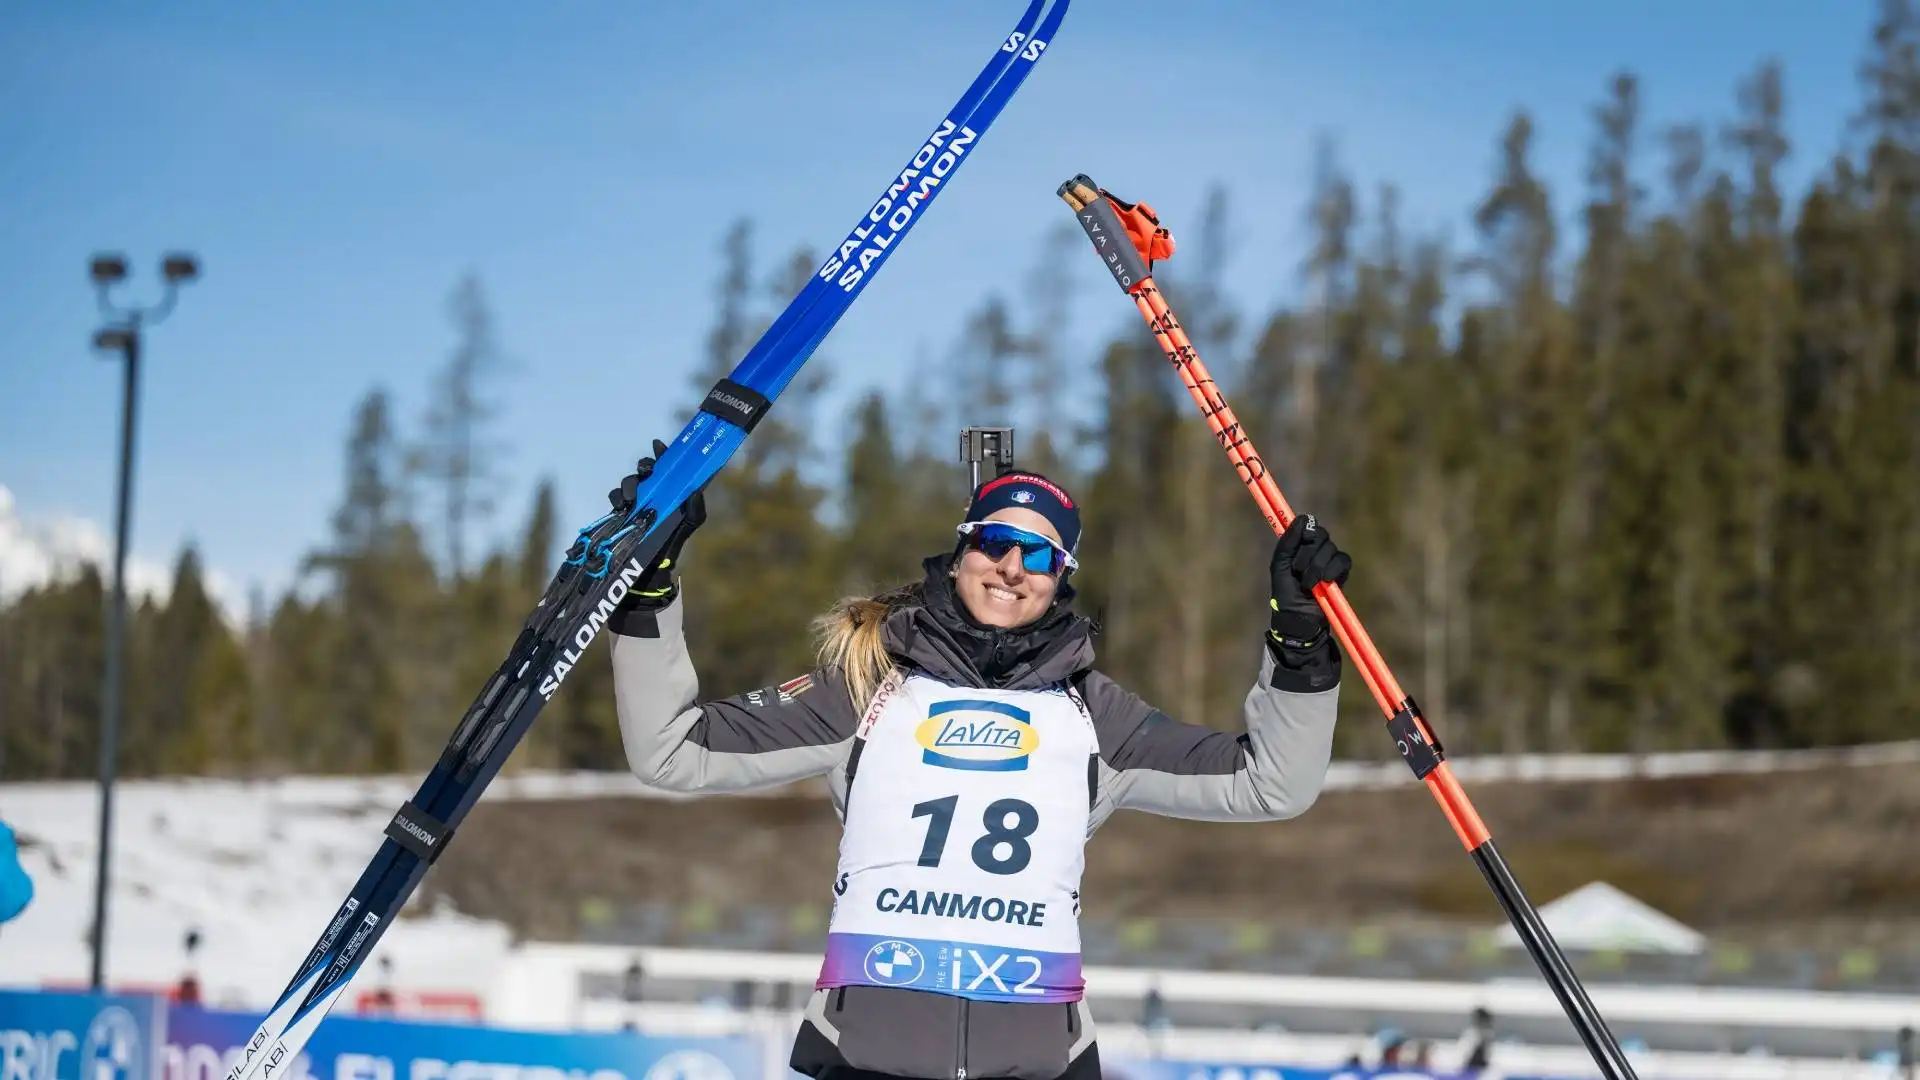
column 849, row 637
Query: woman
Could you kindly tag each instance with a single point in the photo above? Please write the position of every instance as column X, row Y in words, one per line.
column 971, row 749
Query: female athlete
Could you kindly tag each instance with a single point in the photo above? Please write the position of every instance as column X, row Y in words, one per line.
column 971, row 749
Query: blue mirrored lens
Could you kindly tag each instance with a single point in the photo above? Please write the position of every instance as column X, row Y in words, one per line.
column 1037, row 554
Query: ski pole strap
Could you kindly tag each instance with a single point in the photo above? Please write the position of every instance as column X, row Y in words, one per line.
column 1127, row 236
column 418, row 831
column 742, row 406
column 1422, row 753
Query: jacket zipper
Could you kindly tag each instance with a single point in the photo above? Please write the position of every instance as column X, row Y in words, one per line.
column 960, row 1045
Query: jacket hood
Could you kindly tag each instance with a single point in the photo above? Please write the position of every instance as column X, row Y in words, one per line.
column 929, row 628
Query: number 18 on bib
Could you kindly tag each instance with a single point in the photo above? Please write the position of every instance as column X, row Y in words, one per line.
column 963, row 846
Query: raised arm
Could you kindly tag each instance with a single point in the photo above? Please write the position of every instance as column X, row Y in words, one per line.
column 759, row 739
column 1277, row 766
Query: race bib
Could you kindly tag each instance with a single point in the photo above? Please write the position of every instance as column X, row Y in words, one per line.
column 964, row 844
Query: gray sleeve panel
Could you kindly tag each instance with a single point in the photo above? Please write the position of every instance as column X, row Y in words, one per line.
column 751, row 741
column 1155, row 763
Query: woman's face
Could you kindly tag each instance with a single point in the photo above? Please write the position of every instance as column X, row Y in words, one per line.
column 1004, row 593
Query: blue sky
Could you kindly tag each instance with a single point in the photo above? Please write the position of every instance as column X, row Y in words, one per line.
column 338, row 167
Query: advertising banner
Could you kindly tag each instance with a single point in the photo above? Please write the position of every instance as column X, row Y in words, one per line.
column 202, row 1045
column 80, row 1036
column 70, row 1036
column 1162, row 1069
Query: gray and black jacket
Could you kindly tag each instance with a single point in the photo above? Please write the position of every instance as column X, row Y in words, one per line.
column 1148, row 761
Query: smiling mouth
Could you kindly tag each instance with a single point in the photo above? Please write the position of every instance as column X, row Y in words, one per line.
column 1001, row 594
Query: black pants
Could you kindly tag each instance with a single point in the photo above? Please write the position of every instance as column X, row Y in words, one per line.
column 1084, row 1067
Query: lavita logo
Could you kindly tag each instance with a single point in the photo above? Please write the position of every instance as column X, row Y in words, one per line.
column 977, row 736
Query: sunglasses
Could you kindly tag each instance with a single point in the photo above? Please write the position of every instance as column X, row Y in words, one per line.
column 1038, row 553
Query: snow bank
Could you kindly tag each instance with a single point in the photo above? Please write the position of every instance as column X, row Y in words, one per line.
column 256, row 868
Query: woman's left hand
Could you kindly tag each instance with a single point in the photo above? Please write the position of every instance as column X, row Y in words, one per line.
column 1303, row 557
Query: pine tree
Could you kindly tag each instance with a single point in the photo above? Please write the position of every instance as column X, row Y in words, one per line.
column 892, row 521
column 1129, row 566
column 1330, row 215
column 373, row 548
column 309, row 735
column 512, row 585
column 985, row 368
column 265, row 749
column 458, row 452
column 1849, row 549
column 58, row 636
column 1757, row 290
column 191, row 714
column 1523, row 460
column 1044, row 441
column 537, row 554
column 1437, row 510
column 760, row 569
column 1363, row 429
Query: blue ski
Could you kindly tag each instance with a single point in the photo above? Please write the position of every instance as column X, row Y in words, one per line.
column 610, row 555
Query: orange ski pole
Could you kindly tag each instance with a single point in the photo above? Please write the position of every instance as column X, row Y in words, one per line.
column 1128, row 238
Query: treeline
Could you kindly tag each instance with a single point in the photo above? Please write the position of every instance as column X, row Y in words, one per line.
column 1657, row 487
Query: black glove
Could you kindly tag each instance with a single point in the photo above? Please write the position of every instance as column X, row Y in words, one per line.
column 1307, row 660
column 660, row 586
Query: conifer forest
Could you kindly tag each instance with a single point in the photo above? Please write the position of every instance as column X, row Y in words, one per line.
column 1651, row 484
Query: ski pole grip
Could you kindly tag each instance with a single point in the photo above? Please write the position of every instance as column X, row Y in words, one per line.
column 1102, row 226
column 1079, row 191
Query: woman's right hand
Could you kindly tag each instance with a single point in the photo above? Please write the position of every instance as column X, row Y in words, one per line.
column 661, row 584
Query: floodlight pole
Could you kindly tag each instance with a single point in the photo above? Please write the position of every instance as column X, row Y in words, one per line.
column 122, row 336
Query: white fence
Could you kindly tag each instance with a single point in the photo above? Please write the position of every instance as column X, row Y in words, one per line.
column 1689, row 1032
column 350, row 792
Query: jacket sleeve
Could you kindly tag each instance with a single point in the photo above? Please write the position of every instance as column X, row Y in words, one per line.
column 761, row 739
column 1152, row 762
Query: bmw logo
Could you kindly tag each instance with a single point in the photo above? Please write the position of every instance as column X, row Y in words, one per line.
column 895, row 963
column 112, row 1047
column 689, row 1065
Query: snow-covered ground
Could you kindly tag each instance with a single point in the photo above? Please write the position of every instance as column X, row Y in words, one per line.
column 257, row 867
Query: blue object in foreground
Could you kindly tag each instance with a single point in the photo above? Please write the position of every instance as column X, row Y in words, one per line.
column 16, row 888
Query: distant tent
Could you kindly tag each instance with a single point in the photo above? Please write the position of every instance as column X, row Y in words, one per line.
column 1599, row 916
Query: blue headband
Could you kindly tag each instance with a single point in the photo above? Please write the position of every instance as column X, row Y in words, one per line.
column 1030, row 491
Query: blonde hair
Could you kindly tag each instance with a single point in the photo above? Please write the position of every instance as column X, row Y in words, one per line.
column 848, row 637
